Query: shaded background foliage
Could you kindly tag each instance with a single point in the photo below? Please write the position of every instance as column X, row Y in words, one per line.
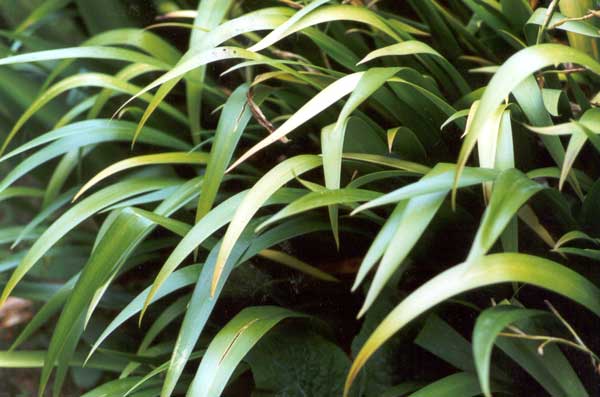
column 285, row 322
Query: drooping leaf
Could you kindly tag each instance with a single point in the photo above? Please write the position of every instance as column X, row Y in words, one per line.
column 460, row 384
column 508, row 77
column 78, row 214
column 486, row 270
column 230, row 346
column 253, row 200
column 320, row 199
column 151, row 159
column 332, row 139
column 489, row 324
column 512, row 189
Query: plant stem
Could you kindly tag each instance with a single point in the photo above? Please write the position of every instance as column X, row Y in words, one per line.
column 550, row 339
column 549, row 13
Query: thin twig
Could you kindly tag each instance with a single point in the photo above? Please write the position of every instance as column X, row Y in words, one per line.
column 573, row 70
column 567, row 70
column 292, row 4
column 549, row 13
column 566, row 324
column 293, row 56
column 591, row 14
column 546, row 340
column 260, row 117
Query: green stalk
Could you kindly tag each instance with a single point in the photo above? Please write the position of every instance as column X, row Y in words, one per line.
column 578, row 8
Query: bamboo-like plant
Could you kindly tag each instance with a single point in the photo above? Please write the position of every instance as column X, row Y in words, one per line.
column 302, row 198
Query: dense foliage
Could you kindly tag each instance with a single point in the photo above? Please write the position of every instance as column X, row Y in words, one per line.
column 300, row 198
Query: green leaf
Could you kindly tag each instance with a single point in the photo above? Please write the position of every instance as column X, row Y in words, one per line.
column 315, row 14
column 108, row 257
column 45, row 213
column 25, row 192
column 489, row 324
column 139, row 161
column 201, row 305
column 380, row 243
column 295, row 263
column 35, row 359
column 166, row 317
column 279, row 32
column 79, row 135
column 232, row 123
column 231, row 344
column 438, row 180
column 182, row 229
column 70, row 326
column 91, row 52
column 117, row 387
column 417, row 215
column 551, row 100
column 209, row 16
column 414, row 47
column 576, row 142
column 531, row 100
column 516, row 69
column 156, row 371
column 319, row 199
column 327, row 97
column 138, row 38
column 402, row 389
column 40, row 12
column 332, row 138
column 552, row 370
column 460, row 384
column 443, row 341
column 81, row 80
column 213, row 221
column 173, row 225
column 387, row 161
column 574, row 235
column 517, row 12
column 177, row 280
column 255, row 198
column 489, row 12
column 50, row 307
column 404, row 227
column 218, row 217
column 142, row 39
column 78, row 214
column 512, row 189
column 268, row 18
column 583, row 252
